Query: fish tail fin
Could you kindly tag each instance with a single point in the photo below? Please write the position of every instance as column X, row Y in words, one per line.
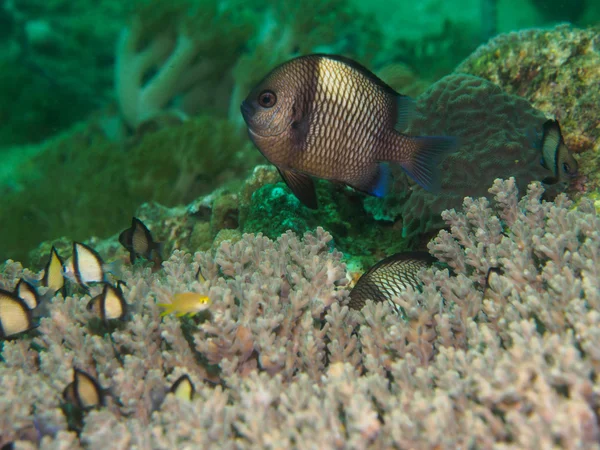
column 158, row 249
column 423, row 166
column 114, row 267
column 168, row 308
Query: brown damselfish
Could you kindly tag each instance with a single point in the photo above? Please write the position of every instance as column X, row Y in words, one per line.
column 389, row 278
column 328, row 117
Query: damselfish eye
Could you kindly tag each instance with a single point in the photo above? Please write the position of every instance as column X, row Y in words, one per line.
column 267, row 99
column 566, row 167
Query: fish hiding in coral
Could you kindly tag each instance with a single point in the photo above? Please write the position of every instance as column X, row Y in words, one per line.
column 138, row 241
column 556, row 156
column 53, row 273
column 109, row 305
column 329, row 117
column 183, row 388
column 186, row 303
column 488, row 277
column 15, row 315
column 389, row 277
column 84, row 391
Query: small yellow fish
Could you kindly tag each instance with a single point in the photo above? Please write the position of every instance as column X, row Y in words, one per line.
column 185, row 303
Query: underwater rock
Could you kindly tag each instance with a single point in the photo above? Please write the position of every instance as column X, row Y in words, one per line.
column 558, row 71
column 498, row 136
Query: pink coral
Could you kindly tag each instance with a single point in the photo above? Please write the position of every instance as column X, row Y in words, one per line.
column 281, row 361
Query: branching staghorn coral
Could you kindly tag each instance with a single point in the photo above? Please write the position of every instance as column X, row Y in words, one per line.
column 280, row 360
column 272, row 305
column 176, row 52
column 190, row 56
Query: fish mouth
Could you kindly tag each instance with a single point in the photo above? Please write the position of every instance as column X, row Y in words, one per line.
column 248, row 110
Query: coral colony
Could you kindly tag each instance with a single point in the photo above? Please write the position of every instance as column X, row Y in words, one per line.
column 164, row 286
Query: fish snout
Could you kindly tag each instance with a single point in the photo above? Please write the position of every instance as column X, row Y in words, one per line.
column 247, row 111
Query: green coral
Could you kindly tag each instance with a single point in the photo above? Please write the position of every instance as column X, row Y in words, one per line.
column 81, row 184
column 274, row 209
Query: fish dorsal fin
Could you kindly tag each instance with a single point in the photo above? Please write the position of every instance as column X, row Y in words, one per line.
column 405, row 111
column 302, row 186
column 550, row 142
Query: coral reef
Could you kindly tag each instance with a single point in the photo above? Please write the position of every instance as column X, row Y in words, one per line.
column 279, row 360
column 498, row 137
column 558, row 71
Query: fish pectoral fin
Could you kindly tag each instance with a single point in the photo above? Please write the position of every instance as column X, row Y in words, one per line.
column 405, row 111
column 167, row 308
column 550, row 180
column 302, row 186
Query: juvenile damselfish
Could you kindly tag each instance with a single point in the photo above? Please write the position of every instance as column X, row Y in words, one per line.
column 556, row 156
column 329, row 117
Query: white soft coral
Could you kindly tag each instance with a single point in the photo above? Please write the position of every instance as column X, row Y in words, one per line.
column 150, row 74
